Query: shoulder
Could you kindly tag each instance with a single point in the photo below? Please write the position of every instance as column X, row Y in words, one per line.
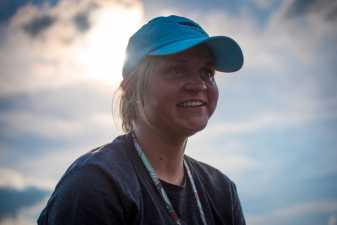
column 107, row 156
column 97, row 188
column 105, row 168
column 208, row 173
column 213, row 182
column 217, row 188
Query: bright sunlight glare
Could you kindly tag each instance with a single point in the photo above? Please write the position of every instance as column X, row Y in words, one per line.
column 103, row 53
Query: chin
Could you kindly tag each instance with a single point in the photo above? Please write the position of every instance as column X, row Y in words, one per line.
column 194, row 129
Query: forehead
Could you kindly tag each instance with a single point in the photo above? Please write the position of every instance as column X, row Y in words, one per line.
column 200, row 52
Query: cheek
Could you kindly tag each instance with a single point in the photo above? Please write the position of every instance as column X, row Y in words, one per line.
column 213, row 95
column 156, row 100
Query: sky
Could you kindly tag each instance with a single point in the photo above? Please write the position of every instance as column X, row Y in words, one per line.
column 274, row 132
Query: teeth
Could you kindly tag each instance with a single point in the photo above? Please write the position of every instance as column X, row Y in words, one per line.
column 192, row 104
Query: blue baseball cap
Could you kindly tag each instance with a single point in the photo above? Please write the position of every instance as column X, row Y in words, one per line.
column 173, row 34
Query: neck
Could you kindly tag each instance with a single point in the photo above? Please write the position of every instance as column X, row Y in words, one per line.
column 165, row 154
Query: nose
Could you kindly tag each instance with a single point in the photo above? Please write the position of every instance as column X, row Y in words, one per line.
column 195, row 84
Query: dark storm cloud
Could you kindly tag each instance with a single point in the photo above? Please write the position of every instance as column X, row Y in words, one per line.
column 151, row 6
column 8, row 8
column 48, row 107
column 8, row 103
column 12, row 200
column 332, row 15
column 299, row 7
column 326, row 8
column 82, row 19
column 38, row 25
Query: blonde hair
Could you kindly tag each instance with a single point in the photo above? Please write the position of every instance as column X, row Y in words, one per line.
column 130, row 93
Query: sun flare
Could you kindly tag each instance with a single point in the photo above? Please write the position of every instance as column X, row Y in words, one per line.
column 103, row 53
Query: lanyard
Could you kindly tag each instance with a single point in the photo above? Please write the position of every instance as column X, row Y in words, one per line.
column 162, row 191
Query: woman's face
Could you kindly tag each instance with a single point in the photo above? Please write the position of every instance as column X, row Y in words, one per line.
column 181, row 93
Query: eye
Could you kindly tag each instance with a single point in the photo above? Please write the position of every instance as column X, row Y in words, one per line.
column 207, row 75
column 177, row 72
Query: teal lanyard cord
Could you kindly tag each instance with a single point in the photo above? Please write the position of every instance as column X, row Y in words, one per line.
column 162, row 191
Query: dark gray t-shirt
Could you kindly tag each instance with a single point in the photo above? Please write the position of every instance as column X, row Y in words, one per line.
column 110, row 186
column 183, row 201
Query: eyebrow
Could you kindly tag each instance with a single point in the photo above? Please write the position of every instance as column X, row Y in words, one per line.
column 209, row 61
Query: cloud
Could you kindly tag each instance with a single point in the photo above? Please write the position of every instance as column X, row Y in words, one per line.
column 11, row 179
column 284, row 215
column 38, row 25
column 82, row 19
column 12, row 201
column 48, row 101
column 49, row 166
column 325, row 8
column 270, row 46
column 19, row 123
column 292, row 116
column 47, row 98
column 79, row 114
column 25, row 216
column 271, row 86
column 311, row 25
column 263, row 4
column 9, row 8
column 332, row 220
column 19, row 194
column 44, row 169
column 52, row 112
column 59, row 46
column 229, row 156
column 58, row 23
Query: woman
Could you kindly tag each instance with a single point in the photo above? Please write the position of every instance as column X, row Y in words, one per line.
column 144, row 177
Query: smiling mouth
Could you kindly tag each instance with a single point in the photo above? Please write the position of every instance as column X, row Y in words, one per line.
column 192, row 104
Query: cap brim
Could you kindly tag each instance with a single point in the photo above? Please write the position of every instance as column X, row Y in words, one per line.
column 227, row 53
